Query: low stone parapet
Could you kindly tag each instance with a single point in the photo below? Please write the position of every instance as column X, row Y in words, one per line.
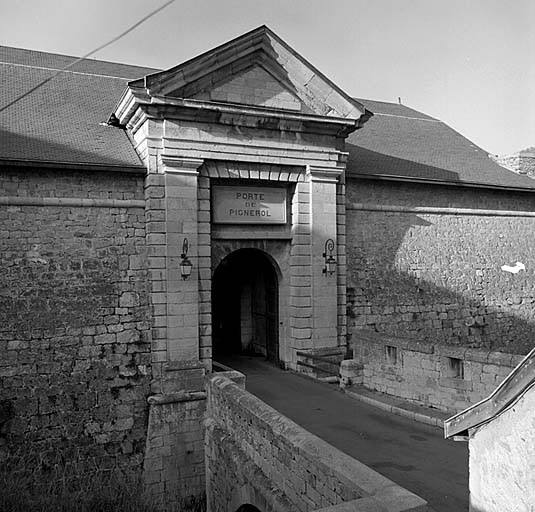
column 447, row 377
column 256, row 456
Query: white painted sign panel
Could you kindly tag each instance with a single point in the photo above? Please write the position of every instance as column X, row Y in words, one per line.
column 248, row 205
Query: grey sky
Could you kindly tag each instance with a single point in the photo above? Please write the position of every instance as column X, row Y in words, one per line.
column 469, row 63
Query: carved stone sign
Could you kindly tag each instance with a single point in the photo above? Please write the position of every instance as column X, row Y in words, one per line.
column 248, row 205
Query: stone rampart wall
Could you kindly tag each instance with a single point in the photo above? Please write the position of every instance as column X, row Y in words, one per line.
column 74, row 315
column 448, row 377
column 425, row 262
column 256, row 456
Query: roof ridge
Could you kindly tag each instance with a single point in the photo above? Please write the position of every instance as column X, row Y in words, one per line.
column 395, row 109
column 65, row 70
column 41, row 51
column 74, row 57
column 433, row 120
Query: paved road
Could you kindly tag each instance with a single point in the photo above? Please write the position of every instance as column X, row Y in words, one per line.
column 412, row 454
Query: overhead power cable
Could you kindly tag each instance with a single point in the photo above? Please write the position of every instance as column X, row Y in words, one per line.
column 92, row 52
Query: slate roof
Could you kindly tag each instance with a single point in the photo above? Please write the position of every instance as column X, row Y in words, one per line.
column 401, row 143
column 60, row 124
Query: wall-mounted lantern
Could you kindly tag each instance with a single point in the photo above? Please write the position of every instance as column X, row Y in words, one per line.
column 185, row 263
column 330, row 261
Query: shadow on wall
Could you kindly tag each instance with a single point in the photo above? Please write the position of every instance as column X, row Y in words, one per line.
column 438, row 278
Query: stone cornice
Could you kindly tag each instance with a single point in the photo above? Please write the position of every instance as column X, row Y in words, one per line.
column 179, row 165
column 71, row 202
column 137, row 120
column 325, row 174
column 252, row 110
column 433, row 210
column 131, row 99
column 136, row 106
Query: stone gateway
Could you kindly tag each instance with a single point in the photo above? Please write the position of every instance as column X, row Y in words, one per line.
column 240, row 202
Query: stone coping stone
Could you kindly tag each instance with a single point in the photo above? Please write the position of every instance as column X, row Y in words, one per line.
column 341, row 466
column 478, row 355
column 181, row 396
column 398, row 406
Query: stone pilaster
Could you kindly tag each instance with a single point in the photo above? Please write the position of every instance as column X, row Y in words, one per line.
column 341, row 276
column 175, row 301
column 174, row 454
column 300, row 270
column 205, row 273
column 323, row 218
column 181, row 210
column 156, row 252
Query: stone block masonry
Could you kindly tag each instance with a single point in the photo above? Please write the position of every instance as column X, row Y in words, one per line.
column 256, row 456
column 448, row 377
column 424, row 262
column 74, row 313
column 174, row 457
column 253, row 87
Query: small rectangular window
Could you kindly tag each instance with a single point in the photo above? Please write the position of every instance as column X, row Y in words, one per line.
column 391, row 354
column 455, row 368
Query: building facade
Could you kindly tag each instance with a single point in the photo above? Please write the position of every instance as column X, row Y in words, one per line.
column 239, row 202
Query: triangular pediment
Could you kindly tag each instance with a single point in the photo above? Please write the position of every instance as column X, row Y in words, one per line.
column 256, row 69
column 254, row 86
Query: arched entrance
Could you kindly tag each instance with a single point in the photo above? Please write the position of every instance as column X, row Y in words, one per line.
column 245, row 305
